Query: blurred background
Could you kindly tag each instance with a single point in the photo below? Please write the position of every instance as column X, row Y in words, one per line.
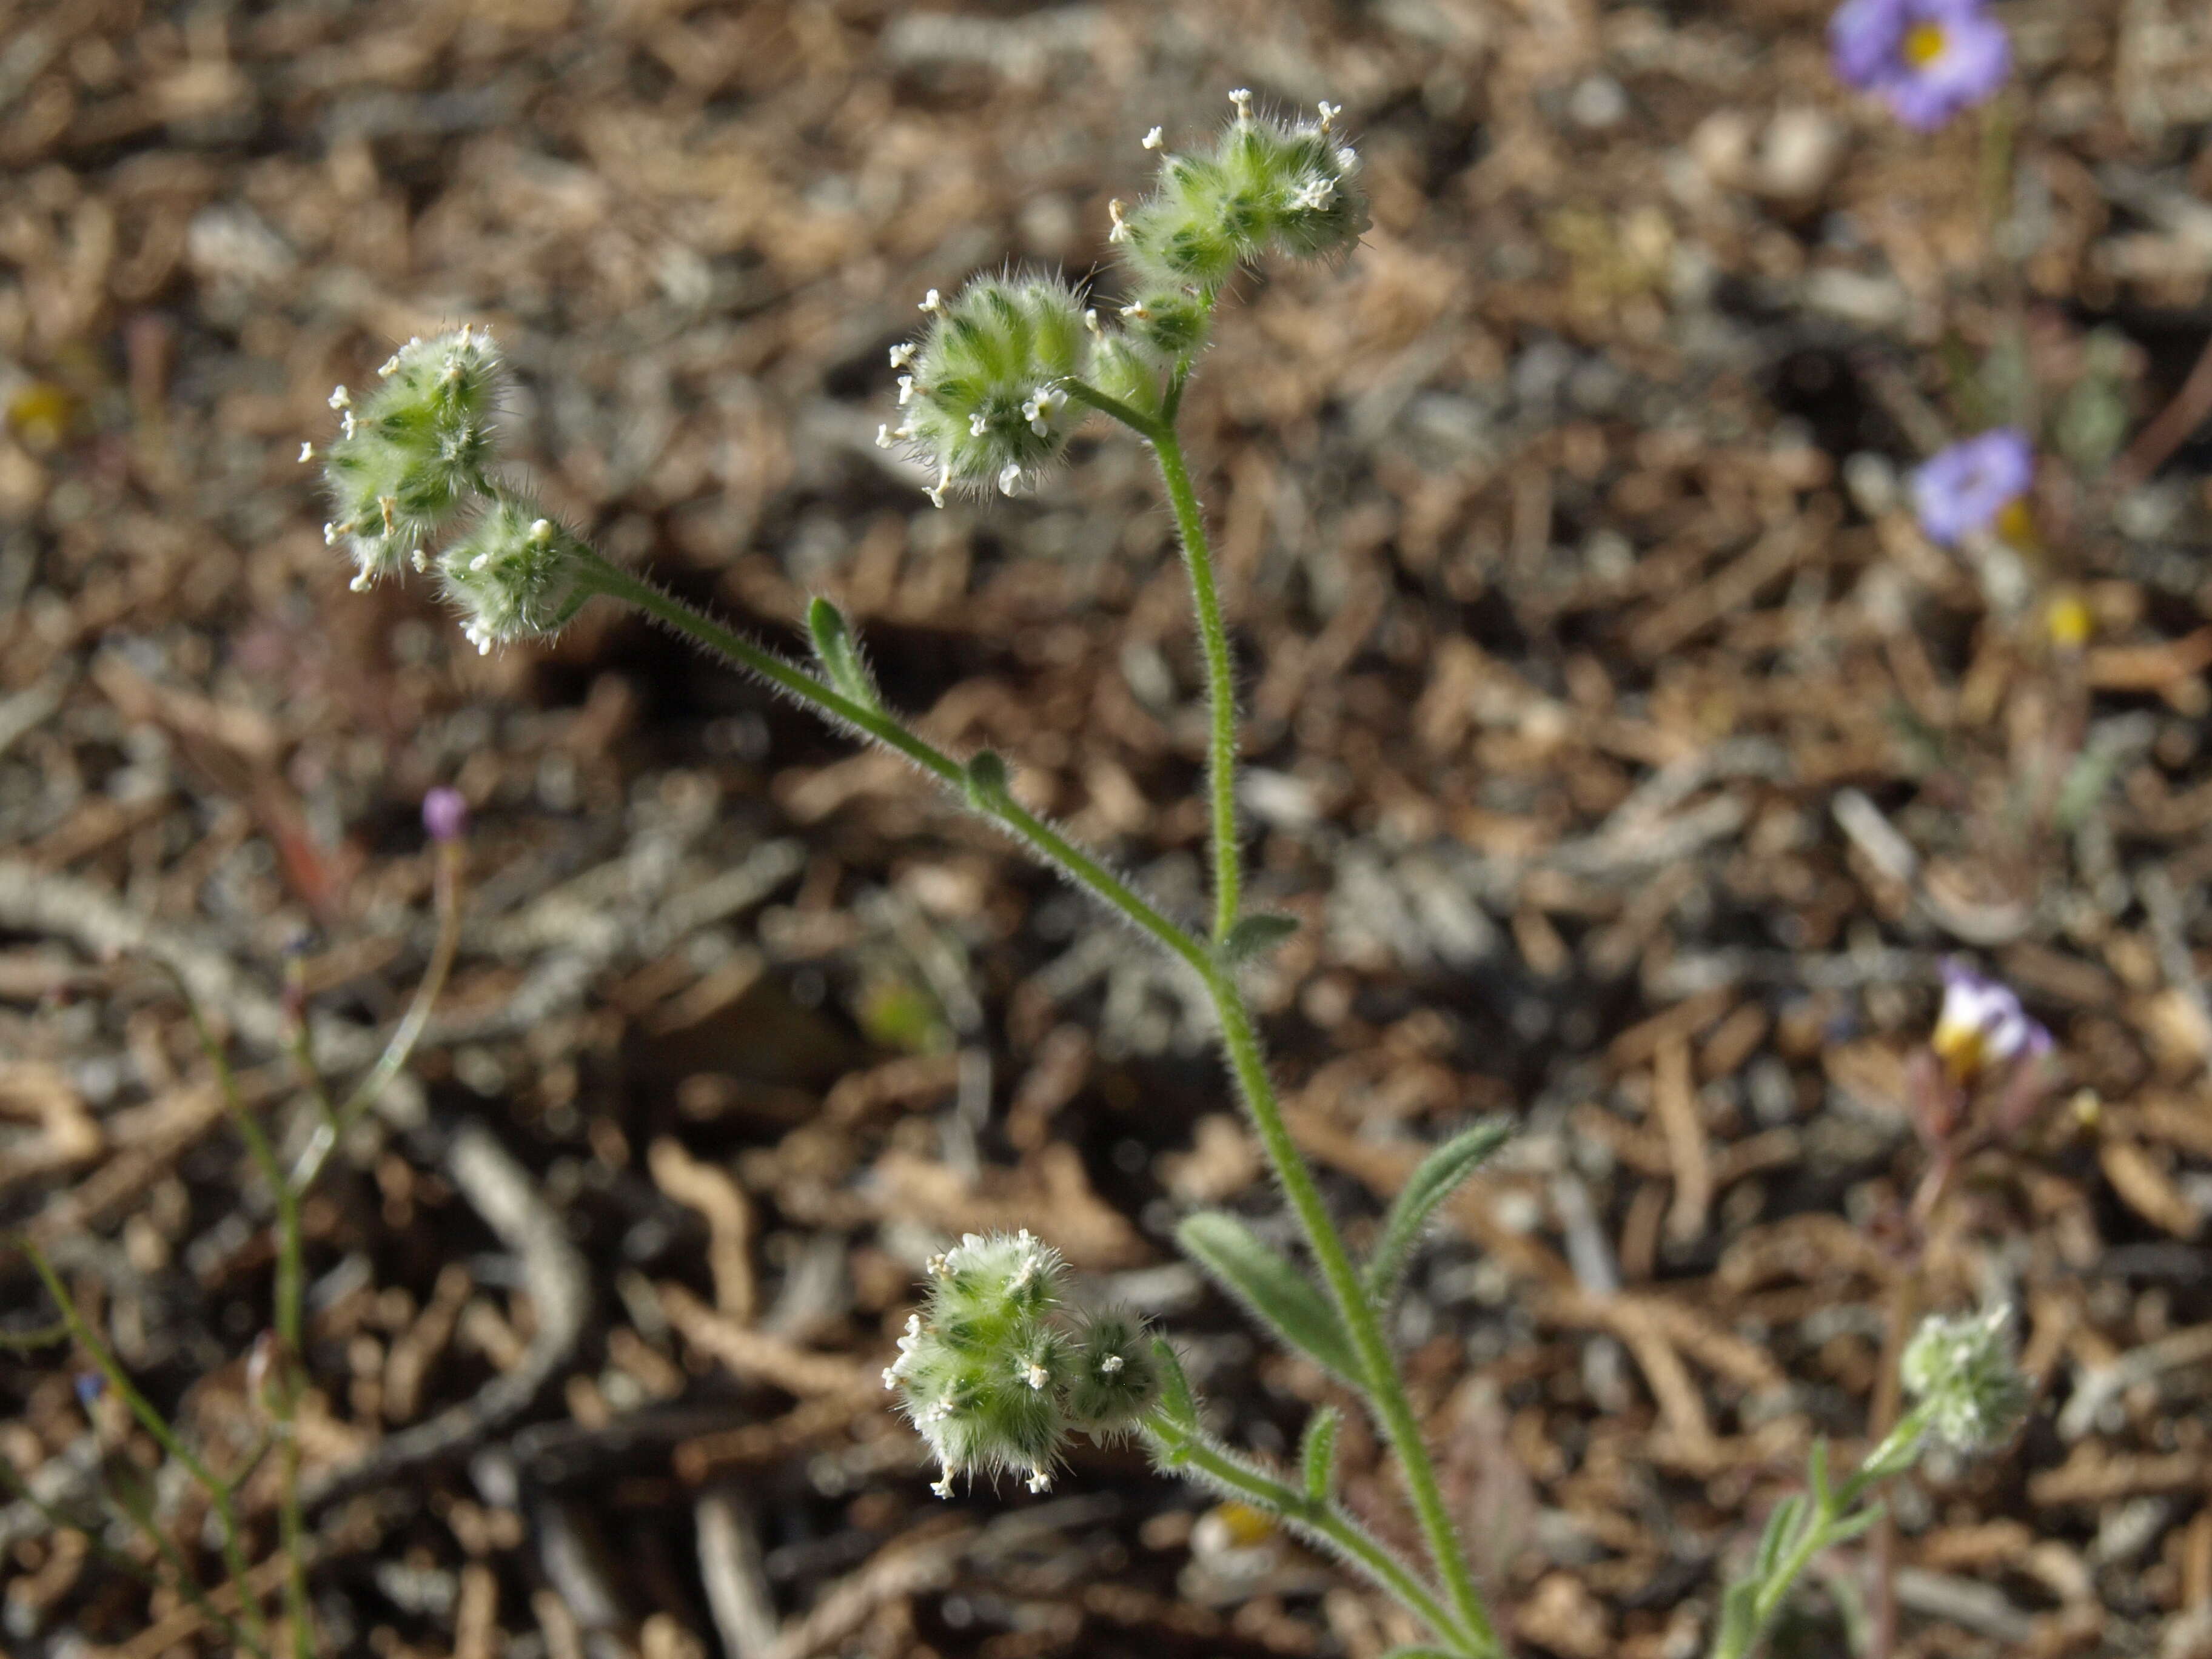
column 1631, row 758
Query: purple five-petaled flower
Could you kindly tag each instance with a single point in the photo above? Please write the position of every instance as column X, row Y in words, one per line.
column 1963, row 488
column 1928, row 59
column 444, row 814
column 1982, row 1025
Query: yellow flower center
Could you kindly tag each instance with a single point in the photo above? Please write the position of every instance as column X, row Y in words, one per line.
column 2015, row 524
column 1924, row 44
column 1963, row 1049
column 2071, row 621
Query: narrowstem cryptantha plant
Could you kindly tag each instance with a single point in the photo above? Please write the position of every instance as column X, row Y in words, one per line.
column 997, row 1372
column 276, row 1383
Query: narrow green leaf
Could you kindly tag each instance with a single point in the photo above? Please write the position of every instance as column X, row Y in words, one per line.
column 1177, row 1404
column 839, row 654
column 1254, row 935
column 1843, row 1531
column 1317, row 1452
column 1780, row 1526
column 1279, row 1296
column 1436, row 1180
column 1816, row 1470
column 1419, row 1652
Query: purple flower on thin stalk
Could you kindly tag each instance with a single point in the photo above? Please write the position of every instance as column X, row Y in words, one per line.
column 1982, row 1025
column 444, row 814
column 1966, row 488
column 1928, row 59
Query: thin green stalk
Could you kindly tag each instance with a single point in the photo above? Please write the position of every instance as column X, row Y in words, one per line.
column 338, row 1121
column 1819, row 1530
column 1026, row 826
column 219, row 1491
column 1325, row 1522
column 180, row 1579
column 1386, row 1391
column 1220, row 678
column 1393, row 1410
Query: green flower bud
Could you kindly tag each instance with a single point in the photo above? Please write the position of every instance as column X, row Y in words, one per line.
column 983, row 400
column 1113, row 1378
column 1962, row 1372
column 514, row 576
column 1123, row 370
column 1269, row 186
column 408, row 459
column 992, row 1378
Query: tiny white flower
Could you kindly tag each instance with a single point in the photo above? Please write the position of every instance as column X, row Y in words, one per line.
column 906, row 390
column 1010, row 475
column 1111, row 1364
column 931, row 302
column 1241, row 97
column 341, row 398
column 306, row 453
column 1037, row 1377
column 902, row 354
column 1328, row 113
column 977, row 426
column 1152, row 139
column 1040, row 1481
column 1115, row 209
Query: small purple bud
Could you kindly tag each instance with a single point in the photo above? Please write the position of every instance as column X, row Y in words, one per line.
column 444, row 814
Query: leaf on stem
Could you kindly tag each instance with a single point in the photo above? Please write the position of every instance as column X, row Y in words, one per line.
column 1280, row 1297
column 1317, row 1452
column 1781, row 1531
column 1254, row 935
column 987, row 782
column 1177, row 1404
column 1439, row 1177
column 839, row 654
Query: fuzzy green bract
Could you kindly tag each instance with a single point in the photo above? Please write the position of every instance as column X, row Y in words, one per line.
column 408, row 458
column 997, row 1372
column 984, row 400
column 513, row 575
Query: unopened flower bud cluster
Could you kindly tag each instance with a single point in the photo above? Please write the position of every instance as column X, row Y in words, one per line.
column 1963, row 1373
column 411, row 462
column 983, row 396
column 996, row 1372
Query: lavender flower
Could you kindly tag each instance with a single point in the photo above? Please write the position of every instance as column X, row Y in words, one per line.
column 1928, row 59
column 1982, row 1025
column 1966, row 488
column 444, row 814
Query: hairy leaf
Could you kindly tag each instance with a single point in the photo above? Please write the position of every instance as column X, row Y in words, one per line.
column 1280, row 1297
column 1436, row 1180
column 1254, row 935
column 840, row 654
column 1317, row 1452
